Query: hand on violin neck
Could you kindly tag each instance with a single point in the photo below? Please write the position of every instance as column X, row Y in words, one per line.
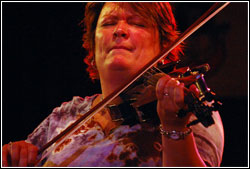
column 170, row 94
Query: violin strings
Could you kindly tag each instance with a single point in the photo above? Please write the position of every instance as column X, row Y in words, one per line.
column 152, row 79
column 156, row 78
column 149, row 75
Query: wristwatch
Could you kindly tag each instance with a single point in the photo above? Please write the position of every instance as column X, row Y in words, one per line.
column 175, row 135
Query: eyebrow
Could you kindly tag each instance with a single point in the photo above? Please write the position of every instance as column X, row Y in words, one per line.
column 112, row 16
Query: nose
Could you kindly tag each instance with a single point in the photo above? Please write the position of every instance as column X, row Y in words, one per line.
column 121, row 31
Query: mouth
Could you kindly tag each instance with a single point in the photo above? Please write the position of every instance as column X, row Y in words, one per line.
column 120, row 47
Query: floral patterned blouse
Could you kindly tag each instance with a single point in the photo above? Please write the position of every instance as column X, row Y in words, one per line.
column 138, row 145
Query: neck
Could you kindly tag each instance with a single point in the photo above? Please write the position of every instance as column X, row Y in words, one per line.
column 110, row 83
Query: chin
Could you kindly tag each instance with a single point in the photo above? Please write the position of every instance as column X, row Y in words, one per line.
column 119, row 63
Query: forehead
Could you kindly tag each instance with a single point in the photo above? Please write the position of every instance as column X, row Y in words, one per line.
column 118, row 8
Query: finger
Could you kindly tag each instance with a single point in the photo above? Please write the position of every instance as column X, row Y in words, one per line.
column 172, row 82
column 170, row 86
column 194, row 90
column 32, row 155
column 179, row 96
column 23, row 156
column 5, row 155
column 161, row 85
column 15, row 154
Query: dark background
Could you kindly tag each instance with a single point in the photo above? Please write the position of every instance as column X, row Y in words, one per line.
column 42, row 65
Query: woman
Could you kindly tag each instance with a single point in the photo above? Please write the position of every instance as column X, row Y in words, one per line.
column 121, row 38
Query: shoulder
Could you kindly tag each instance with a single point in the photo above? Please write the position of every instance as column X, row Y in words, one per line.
column 210, row 140
column 60, row 117
column 68, row 112
column 77, row 105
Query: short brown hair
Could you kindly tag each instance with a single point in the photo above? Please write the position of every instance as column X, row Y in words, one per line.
column 158, row 12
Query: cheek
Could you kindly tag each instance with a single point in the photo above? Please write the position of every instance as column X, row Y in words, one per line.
column 100, row 41
column 147, row 44
column 154, row 43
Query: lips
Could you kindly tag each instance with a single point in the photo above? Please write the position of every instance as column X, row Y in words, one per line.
column 120, row 47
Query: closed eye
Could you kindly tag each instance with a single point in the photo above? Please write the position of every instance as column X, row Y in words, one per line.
column 137, row 22
column 109, row 23
column 140, row 25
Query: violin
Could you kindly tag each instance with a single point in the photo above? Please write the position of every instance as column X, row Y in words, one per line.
column 201, row 106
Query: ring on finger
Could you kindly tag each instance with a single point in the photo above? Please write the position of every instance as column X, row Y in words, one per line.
column 166, row 94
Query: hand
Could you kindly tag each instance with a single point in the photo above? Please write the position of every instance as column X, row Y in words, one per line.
column 19, row 153
column 170, row 95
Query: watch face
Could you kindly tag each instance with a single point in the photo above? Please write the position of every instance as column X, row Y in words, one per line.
column 174, row 135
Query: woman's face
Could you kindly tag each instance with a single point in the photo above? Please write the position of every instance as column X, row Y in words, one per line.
column 124, row 41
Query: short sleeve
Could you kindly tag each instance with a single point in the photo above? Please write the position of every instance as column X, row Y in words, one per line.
column 39, row 136
column 210, row 141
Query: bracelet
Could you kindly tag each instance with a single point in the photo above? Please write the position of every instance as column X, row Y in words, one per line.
column 175, row 135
